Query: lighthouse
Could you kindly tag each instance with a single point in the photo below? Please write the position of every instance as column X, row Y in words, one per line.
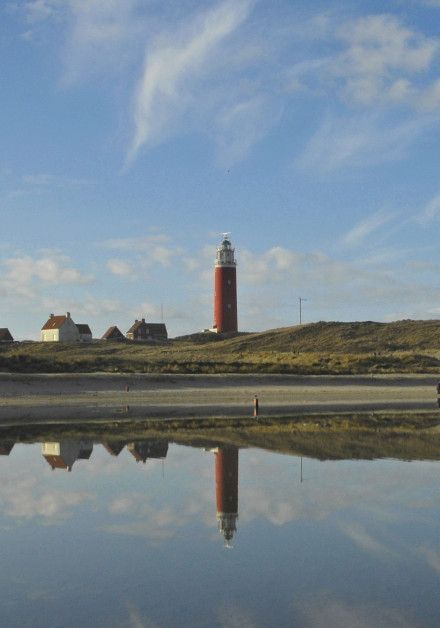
column 225, row 288
column 226, row 489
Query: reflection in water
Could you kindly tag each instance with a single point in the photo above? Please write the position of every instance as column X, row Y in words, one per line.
column 62, row 455
column 358, row 546
column 226, row 491
column 142, row 450
column 114, row 448
column 6, row 447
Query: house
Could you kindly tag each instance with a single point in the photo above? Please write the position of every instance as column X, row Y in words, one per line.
column 113, row 333
column 6, row 447
column 142, row 450
column 59, row 329
column 85, row 333
column 5, row 335
column 140, row 330
column 114, row 448
column 62, row 455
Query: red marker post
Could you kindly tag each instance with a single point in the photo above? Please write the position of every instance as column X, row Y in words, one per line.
column 255, row 406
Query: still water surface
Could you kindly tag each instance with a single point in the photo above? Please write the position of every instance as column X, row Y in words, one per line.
column 122, row 542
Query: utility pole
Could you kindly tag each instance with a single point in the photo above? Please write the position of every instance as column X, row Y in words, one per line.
column 300, row 299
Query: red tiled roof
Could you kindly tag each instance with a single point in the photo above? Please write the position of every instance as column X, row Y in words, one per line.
column 55, row 322
column 137, row 325
column 56, row 462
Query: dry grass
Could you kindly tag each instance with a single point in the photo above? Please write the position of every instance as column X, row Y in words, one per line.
column 319, row 348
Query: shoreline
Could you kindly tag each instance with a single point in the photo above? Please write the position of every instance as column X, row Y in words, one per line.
column 189, row 396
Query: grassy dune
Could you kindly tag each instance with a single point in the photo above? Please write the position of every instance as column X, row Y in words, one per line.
column 318, row 348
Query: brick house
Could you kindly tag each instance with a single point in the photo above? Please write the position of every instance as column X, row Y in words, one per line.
column 141, row 331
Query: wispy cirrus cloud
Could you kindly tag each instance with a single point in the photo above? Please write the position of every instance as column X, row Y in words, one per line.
column 359, row 141
column 174, row 66
column 100, row 36
column 140, row 243
column 144, row 252
column 366, row 227
column 430, row 212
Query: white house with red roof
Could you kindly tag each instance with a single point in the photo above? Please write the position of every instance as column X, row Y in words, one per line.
column 60, row 329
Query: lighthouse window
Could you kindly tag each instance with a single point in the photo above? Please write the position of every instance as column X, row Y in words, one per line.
column 229, row 282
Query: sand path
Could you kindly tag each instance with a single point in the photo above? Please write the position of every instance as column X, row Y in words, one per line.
column 217, row 395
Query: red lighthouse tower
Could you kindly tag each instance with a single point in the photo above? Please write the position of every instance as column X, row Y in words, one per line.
column 226, row 489
column 225, row 288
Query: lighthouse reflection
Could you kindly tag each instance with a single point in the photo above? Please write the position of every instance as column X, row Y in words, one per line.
column 63, row 454
column 226, row 491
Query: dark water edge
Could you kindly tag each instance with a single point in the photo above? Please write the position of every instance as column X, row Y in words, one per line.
column 368, row 436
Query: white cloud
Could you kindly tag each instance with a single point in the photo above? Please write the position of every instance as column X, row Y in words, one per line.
column 361, row 537
column 324, row 612
column 430, row 3
column 366, row 227
column 430, row 212
column 120, row 267
column 380, row 48
column 142, row 243
column 22, row 275
column 431, row 556
column 175, row 64
column 242, row 125
column 148, row 251
column 38, row 10
column 430, row 97
column 382, row 61
column 102, row 30
column 358, row 141
column 86, row 306
column 100, row 35
column 50, row 180
column 22, row 498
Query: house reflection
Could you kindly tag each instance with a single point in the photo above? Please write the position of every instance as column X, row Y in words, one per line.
column 144, row 449
column 114, row 448
column 6, row 447
column 63, row 454
column 226, row 491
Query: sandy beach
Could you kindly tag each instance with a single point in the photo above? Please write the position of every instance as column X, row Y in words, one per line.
column 171, row 396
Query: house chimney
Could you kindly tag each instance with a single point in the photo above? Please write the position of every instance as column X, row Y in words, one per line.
column 136, row 320
column 51, row 315
column 67, row 314
column 143, row 320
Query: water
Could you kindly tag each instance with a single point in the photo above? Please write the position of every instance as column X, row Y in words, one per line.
column 116, row 542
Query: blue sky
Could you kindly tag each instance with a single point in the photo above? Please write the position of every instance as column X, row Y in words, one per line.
column 134, row 132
